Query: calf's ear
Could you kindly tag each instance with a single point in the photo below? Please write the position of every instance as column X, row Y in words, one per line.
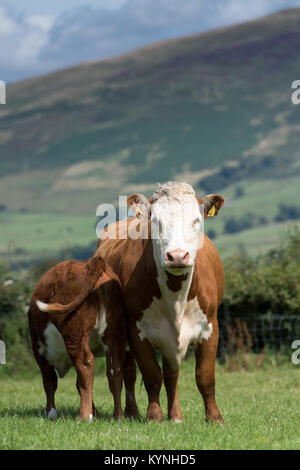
column 139, row 204
column 212, row 204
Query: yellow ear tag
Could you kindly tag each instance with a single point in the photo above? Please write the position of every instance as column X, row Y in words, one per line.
column 211, row 212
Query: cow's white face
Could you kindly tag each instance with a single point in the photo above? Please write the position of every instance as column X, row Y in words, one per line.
column 176, row 220
column 176, row 223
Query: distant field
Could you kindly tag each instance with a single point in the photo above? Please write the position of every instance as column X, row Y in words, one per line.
column 255, row 241
column 261, row 410
column 45, row 234
column 42, row 235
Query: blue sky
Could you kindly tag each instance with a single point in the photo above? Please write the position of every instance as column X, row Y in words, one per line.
column 40, row 36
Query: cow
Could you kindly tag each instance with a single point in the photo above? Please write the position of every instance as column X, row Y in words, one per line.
column 77, row 313
column 172, row 286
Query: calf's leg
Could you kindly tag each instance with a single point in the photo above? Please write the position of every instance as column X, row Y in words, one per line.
column 95, row 411
column 48, row 375
column 50, row 385
column 84, row 362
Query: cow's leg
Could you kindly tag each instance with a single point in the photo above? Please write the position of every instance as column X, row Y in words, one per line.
column 114, row 341
column 84, row 362
column 131, row 408
column 152, row 376
column 205, row 374
column 114, row 372
column 171, row 384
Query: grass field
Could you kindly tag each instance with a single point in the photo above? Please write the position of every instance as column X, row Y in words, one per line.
column 261, row 410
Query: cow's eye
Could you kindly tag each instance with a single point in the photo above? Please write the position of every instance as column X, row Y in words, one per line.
column 196, row 221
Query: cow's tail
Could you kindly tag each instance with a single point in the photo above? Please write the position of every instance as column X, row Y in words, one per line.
column 96, row 266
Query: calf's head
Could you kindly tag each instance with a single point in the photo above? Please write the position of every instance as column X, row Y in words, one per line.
column 176, row 217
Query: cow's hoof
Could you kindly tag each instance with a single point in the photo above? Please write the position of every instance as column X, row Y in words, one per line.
column 132, row 412
column 52, row 414
column 119, row 417
column 154, row 413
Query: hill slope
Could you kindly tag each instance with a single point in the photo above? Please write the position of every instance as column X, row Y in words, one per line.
column 213, row 109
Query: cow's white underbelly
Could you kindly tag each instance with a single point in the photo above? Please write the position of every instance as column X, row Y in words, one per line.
column 54, row 347
column 172, row 334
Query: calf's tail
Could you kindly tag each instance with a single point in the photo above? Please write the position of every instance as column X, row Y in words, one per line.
column 96, row 267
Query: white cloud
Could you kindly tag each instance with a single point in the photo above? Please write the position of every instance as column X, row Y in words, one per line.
column 44, row 22
column 34, row 44
column 7, row 25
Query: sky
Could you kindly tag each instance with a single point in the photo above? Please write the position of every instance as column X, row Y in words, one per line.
column 37, row 36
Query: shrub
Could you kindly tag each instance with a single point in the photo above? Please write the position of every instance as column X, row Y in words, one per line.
column 239, row 192
column 233, row 225
column 264, row 284
column 287, row 212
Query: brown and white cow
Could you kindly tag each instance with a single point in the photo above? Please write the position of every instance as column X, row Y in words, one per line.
column 172, row 288
column 76, row 314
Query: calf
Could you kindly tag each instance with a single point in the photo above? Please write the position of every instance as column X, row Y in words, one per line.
column 89, row 324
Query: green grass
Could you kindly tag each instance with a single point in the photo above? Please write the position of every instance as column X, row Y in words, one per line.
column 261, row 410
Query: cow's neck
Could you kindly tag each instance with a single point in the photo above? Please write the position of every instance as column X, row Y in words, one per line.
column 174, row 292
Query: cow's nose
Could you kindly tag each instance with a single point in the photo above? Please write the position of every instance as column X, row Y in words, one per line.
column 177, row 257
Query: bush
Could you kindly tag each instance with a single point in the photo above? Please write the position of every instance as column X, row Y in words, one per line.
column 211, row 234
column 233, row 225
column 239, row 192
column 264, row 284
column 286, row 212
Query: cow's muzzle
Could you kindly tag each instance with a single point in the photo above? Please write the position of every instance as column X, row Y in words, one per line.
column 177, row 259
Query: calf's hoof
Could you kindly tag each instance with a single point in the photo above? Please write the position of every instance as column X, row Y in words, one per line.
column 215, row 418
column 177, row 420
column 176, row 417
column 51, row 414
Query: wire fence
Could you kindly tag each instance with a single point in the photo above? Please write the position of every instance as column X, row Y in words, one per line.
column 276, row 331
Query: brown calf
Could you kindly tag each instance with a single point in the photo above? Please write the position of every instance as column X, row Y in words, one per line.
column 91, row 324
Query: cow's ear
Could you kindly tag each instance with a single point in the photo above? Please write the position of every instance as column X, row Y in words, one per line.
column 212, row 204
column 139, row 204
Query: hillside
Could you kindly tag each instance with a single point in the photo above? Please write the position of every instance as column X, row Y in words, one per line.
column 213, row 109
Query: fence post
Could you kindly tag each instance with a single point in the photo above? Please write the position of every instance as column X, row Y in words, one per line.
column 2, row 92
column 2, row 353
